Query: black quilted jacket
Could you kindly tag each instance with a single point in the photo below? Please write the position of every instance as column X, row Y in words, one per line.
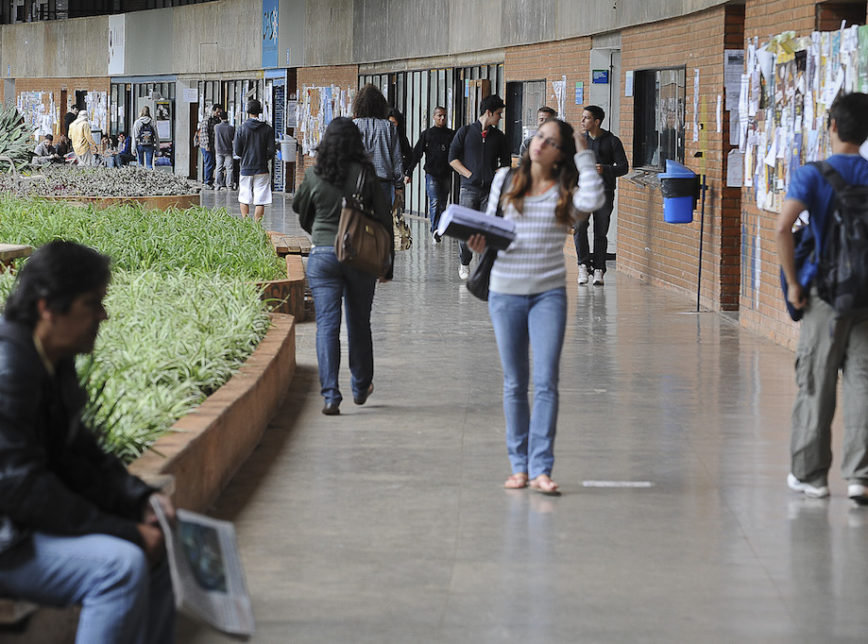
column 54, row 477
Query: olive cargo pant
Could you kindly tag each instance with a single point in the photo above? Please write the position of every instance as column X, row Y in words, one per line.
column 827, row 345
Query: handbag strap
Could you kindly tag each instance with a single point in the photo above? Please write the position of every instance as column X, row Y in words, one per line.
column 360, row 185
column 506, row 179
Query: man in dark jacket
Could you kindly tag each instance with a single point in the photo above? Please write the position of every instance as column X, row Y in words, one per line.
column 476, row 152
column 611, row 163
column 254, row 145
column 69, row 118
column 434, row 144
column 75, row 526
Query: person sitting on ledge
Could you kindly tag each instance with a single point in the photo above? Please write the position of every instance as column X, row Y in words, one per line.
column 75, row 526
column 45, row 152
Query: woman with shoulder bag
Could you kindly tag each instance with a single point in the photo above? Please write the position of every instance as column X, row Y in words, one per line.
column 553, row 187
column 340, row 158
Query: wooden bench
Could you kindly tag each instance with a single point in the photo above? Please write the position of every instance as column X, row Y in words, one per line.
column 10, row 252
column 289, row 244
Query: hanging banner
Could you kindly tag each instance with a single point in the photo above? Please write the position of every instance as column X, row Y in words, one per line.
column 270, row 22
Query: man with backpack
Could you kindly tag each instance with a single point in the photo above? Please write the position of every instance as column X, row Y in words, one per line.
column 145, row 138
column 831, row 293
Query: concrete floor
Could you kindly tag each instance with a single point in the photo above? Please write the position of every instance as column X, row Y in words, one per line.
column 388, row 523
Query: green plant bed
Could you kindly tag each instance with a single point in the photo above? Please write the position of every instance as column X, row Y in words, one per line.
column 184, row 312
column 196, row 240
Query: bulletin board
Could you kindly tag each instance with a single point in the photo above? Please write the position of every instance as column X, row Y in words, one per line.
column 787, row 87
column 319, row 106
column 39, row 112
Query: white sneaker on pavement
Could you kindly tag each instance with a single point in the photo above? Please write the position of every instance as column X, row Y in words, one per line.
column 858, row 493
column 463, row 271
column 598, row 277
column 583, row 275
column 807, row 489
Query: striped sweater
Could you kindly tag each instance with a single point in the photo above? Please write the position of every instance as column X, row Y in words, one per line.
column 534, row 261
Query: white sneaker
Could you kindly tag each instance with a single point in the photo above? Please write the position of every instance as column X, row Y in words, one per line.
column 598, row 277
column 583, row 275
column 807, row 489
column 463, row 271
column 858, row 493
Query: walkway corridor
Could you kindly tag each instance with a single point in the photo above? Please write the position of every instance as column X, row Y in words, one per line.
column 388, row 523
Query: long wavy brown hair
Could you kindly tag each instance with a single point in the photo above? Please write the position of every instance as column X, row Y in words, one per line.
column 565, row 174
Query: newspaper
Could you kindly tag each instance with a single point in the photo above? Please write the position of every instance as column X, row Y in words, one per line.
column 207, row 576
column 461, row 222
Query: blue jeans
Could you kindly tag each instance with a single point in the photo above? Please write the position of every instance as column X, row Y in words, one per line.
column 330, row 281
column 597, row 260
column 145, row 156
column 208, row 167
column 121, row 600
column 438, row 197
column 477, row 199
column 536, row 321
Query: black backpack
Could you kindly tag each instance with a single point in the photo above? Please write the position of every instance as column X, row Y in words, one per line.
column 842, row 278
column 146, row 135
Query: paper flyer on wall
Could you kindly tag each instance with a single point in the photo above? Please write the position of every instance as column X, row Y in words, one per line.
column 207, row 576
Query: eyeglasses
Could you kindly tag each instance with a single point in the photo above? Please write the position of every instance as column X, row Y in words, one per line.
column 551, row 142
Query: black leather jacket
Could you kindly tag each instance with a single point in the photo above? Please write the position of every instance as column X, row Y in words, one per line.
column 54, row 477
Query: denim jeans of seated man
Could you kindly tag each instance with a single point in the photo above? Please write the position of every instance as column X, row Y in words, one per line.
column 145, row 156
column 438, row 196
column 477, row 200
column 331, row 282
column 123, row 602
column 536, row 322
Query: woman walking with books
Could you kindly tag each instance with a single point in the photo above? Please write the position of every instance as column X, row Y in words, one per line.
column 553, row 187
column 340, row 160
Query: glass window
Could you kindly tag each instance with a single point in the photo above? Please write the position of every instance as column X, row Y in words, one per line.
column 658, row 117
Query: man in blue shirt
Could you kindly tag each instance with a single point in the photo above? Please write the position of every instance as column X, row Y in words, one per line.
column 828, row 341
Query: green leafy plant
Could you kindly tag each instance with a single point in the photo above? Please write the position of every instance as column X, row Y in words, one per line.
column 197, row 240
column 184, row 312
column 15, row 141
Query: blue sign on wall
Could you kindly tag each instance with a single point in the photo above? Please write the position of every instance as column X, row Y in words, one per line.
column 600, row 77
column 270, row 22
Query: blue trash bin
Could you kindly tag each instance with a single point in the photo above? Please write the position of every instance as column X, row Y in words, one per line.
column 680, row 188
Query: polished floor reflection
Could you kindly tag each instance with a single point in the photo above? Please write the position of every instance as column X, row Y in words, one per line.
column 388, row 523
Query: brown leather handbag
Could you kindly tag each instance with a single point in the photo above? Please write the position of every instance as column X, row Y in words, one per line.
column 362, row 242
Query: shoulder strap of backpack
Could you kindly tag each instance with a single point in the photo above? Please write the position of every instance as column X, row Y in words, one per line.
column 832, row 176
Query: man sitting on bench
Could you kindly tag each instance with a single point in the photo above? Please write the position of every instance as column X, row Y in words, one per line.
column 75, row 526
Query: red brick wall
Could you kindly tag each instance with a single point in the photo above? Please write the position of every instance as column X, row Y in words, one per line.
column 551, row 61
column 761, row 306
column 667, row 254
column 340, row 75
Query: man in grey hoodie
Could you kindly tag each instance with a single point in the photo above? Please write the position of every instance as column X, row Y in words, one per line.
column 254, row 145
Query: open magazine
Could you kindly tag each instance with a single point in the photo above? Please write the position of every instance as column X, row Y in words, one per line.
column 207, row 576
column 462, row 222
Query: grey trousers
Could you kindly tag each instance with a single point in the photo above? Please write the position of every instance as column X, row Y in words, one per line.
column 828, row 345
column 224, row 170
